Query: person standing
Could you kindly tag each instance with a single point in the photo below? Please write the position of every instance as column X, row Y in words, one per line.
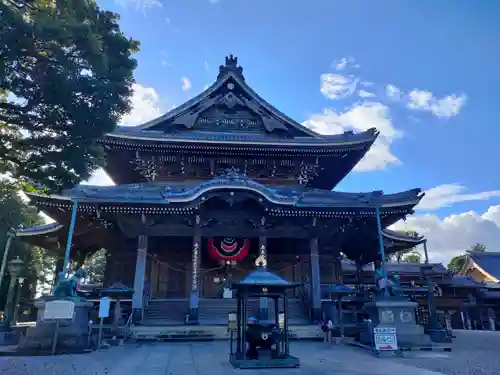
column 326, row 327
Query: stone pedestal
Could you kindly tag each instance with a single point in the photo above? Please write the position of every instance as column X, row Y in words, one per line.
column 399, row 313
column 8, row 336
column 72, row 335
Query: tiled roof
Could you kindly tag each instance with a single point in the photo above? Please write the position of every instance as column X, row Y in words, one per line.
column 261, row 276
column 181, row 193
column 466, row 281
column 347, row 138
column 488, row 261
column 403, row 268
column 39, row 229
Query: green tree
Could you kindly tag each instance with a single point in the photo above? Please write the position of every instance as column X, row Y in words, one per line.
column 478, row 247
column 458, row 262
column 413, row 257
column 96, row 264
column 66, row 74
column 13, row 213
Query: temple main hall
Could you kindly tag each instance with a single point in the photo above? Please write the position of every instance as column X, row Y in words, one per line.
column 217, row 185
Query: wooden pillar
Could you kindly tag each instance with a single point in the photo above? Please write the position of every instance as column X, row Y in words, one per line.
column 426, row 254
column 315, row 286
column 193, row 314
column 140, row 271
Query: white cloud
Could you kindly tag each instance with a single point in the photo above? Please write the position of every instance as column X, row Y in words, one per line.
column 341, row 64
column 454, row 234
column 371, row 113
column 213, row 1
column 359, row 118
column 445, row 107
column 393, row 92
column 206, row 65
column 419, row 99
column 493, row 214
column 448, row 194
column 365, row 94
column 145, row 106
column 142, row 5
column 344, row 63
column 337, row 86
column 186, row 83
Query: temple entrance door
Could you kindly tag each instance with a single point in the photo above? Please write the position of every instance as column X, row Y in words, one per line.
column 175, row 285
column 211, row 285
column 167, row 281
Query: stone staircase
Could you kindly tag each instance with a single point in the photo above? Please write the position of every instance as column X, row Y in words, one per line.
column 210, row 332
column 296, row 311
column 165, row 312
column 214, row 311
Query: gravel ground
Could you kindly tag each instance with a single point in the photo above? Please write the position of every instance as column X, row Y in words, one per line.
column 474, row 353
column 203, row 359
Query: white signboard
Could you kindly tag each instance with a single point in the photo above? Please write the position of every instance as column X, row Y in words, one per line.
column 58, row 310
column 227, row 293
column 104, row 306
column 385, row 338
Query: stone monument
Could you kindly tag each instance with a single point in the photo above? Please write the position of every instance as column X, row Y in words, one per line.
column 390, row 308
column 73, row 335
column 396, row 312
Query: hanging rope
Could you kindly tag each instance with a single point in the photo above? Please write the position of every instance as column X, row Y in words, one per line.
column 290, row 267
column 183, row 270
column 220, row 267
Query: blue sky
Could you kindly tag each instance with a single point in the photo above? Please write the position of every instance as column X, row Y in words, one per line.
column 424, row 72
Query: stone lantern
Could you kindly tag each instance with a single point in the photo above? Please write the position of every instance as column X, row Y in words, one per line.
column 15, row 267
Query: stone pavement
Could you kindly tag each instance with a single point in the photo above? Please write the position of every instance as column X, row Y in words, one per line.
column 203, row 359
column 474, row 353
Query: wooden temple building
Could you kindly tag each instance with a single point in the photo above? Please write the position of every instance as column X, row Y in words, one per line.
column 224, row 180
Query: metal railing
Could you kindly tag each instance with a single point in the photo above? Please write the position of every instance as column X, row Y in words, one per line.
column 128, row 324
column 146, row 298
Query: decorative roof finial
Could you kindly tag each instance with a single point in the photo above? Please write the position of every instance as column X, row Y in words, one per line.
column 231, row 61
column 231, row 65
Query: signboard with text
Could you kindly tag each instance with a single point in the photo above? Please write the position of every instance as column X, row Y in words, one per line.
column 104, row 307
column 385, row 338
column 59, row 310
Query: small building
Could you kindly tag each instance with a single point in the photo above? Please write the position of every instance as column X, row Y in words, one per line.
column 483, row 266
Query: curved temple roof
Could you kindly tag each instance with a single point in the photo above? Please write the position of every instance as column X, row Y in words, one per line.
column 345, row 139
column 165, row 194
column 39, row 230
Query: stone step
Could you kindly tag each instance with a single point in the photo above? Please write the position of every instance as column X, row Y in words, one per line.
column 199, row 332
column 216, row 311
